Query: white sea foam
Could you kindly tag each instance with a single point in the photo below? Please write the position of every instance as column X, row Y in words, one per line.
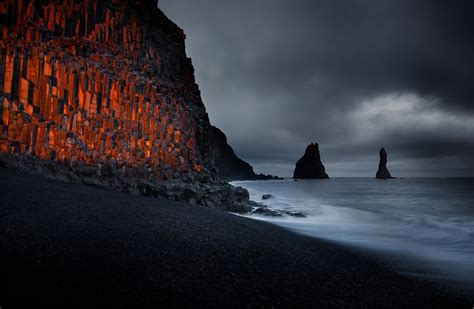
column 423, row 226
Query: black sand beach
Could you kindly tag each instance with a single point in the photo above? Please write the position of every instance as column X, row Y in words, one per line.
column 63, row 243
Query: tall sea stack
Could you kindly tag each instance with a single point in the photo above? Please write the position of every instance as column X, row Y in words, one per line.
column 310, row 166
column 383, row 172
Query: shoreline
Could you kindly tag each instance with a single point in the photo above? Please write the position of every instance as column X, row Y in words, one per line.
column 89, row 246
column 396, row 261
column 422, row 243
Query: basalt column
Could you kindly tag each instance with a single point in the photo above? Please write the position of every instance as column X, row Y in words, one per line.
column 100, row 83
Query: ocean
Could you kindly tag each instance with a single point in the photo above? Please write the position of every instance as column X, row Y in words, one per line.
column 423, row 227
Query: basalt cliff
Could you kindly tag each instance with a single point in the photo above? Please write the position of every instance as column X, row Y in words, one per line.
column 102, row 92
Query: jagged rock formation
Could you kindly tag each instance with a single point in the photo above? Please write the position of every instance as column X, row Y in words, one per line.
column 310, row 166
column 383, row 172
column 103, row 87
column 230, row 166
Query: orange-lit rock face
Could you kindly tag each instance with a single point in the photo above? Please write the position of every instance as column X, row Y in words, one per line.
column 82, row 82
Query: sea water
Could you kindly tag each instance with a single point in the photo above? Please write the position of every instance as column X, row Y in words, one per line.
column 423, row 227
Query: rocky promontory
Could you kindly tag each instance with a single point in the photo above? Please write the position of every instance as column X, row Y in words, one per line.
column 229, row 165
column 383, row 172
column 310, row 165
column 103, row 92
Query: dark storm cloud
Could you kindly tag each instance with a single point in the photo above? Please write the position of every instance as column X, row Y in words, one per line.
column 351, row 75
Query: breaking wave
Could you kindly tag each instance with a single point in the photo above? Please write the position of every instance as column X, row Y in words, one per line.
column 424, row 227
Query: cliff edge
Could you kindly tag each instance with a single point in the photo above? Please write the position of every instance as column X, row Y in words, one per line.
column 102, row 92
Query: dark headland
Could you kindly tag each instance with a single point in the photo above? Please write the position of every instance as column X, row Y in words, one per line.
column 63, row 243
column 111, row 101
column 229, row 166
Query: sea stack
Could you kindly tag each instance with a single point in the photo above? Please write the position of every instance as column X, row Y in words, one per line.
column 383, row 172
column 310, row 166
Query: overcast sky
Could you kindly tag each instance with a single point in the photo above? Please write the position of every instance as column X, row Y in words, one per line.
column 353, row 76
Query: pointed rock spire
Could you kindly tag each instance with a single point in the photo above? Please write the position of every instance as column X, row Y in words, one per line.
column 383, row 172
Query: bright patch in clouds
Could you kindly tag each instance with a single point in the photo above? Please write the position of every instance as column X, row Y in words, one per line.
column 405, row 113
